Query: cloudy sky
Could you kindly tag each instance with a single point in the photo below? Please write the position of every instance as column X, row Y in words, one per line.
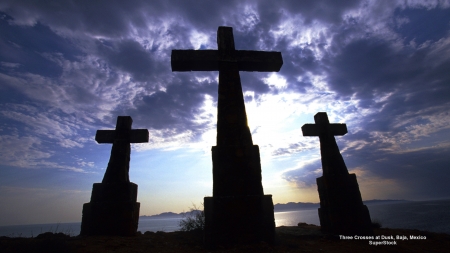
column 68, row 68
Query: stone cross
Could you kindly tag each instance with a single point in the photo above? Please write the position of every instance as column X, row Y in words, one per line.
column 341, row 211
column 238, row 209
column 232, row 128
column 332, row 161
column 121, row 137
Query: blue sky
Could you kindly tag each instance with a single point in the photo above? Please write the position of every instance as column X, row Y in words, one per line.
column 70, row 68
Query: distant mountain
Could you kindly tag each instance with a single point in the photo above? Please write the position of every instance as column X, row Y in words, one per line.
column 168, row 215
column 295, row 206
column 162, row 215
column 383, row 201
column 290, row 206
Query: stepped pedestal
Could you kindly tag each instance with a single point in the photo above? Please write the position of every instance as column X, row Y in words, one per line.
column 113, row 210
column 239, row 211
column 341, row 208
column 238, row 219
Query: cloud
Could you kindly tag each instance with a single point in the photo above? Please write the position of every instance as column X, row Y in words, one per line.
column 26, row 152
column 367, row 63
column 130, row 57
column 179, row 107
column 292, row 148
column 21, row 155
column 305, row 176
column 48, row 125
column 377, row 168
column 326, row 10
column 407, row 167
column 30, row 49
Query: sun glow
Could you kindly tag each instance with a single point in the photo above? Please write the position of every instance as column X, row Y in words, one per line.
column 276, row 81
column 198, row 39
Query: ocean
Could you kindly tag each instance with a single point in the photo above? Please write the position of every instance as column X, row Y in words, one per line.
column 433, row 216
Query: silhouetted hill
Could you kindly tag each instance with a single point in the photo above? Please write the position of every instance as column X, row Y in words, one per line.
column 301, row 238
column 292, row 206
column 383, row 201
column 295, row 206
column 168, row 215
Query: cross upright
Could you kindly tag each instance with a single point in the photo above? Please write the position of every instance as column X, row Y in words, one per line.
column 332, row 161
column 232, row 128
column 121, row 137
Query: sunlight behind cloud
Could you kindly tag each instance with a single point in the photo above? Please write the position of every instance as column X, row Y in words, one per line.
column 275, row 80
column 265, row 115
column 198, row 39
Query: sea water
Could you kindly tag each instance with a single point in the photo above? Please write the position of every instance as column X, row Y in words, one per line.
column 431, row 216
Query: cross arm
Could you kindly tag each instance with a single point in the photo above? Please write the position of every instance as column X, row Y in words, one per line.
column 195, row 60
column 259, row 61
column 338, row 129
column 105, row 136
column 310, row 130
column 314, row 129
column 108, row 136
column 139, row 136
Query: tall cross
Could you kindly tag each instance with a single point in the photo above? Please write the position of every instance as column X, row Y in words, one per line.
column 121, row 137
column 332, row 161
column 232, row 128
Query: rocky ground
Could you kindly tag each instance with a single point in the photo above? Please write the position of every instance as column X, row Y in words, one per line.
column 302, row 238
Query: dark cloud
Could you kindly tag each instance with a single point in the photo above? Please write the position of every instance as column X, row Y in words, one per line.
column 34, row 49
column 411, row 78
column 421, row 25
column 299, row 62
column 253, row 82
column 367, row 70
column 102, row 18
column 327, row 11
column 130, row 57
column 419, row 171
column 204, row 14
column 176, row 107
column 115, row 18
column 422, row 172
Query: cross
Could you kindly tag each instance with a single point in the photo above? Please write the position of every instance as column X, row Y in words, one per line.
column 332, row 161
column 121, row 137
column 232, row 128
column 211, row 60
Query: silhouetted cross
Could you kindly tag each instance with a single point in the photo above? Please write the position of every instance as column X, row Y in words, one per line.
column 232, row 128
column 210, row 60
column 332, row 161
column 121, row 137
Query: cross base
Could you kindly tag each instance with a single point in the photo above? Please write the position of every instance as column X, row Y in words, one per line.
column 341, row 208
column 238, row 219
column 113, row 210
column 236, row 171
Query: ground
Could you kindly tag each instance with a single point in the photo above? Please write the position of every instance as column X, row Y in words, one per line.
column 302, row 238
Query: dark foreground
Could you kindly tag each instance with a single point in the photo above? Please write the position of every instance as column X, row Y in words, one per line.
column 303, row 238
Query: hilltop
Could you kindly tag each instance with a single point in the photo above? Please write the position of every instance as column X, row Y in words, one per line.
column 301, row 238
